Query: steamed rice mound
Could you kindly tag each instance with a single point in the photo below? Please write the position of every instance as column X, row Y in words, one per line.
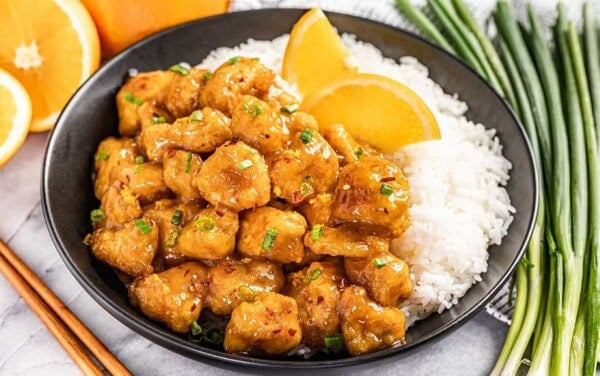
column 459, row 204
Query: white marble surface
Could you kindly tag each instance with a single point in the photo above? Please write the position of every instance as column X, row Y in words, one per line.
column 27, row 348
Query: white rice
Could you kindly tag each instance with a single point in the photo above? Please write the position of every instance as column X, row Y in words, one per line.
column 459, row 206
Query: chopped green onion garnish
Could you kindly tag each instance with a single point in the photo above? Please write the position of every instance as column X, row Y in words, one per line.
column 269, row 239
column 386, row 189
column 101, row 155
column 380, row 262
column 233, row 60
column 172, row 239
column 306, row 135
column 176, row 218
column 178, row 68
column 158, row 120
column 214, row 337
column 313, row 274
column 245, row 164
column 316, row 232
column 306, row 186
column 137, row 169
column 358, row 153
column 246, row 293
column 196, row 116
column 133, row 99
column 254, row 111
column 142, row 226
column 188, row 162
column 97, row 215
column 196, row 329
column 139, row 159
column 206, row 76
column 290, row 108
column 334, row 341
column 204, row 223
column 255, row 59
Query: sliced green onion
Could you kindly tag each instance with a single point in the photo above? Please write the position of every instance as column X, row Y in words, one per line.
column 246, row 293
column 172, row 239
column 255, row 58
column 137, row 169
column 97, row 215
column 139, row 159
column 196, row 328
column 306, row 135
column 176, row 218
column 101, row 155
column 254, row 111
column 306, row 186
column 290, row 108
column 133, row 99
column 206, row 76
column 196, row 116
column 142, row 226
column 359, row 152
column 269, row 239
column 316, row 232
column 233, row 60
column 386, row 190
column 188, row 162
column 380, row 262
column 179, row 68
column 158, row 120
column 245, row 164
column 313, row 274
column 204, row 223
column 214, row 337
column 334, row 341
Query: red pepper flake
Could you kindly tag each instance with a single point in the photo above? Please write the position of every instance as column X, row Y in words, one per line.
column 220, row 213
column 385, row 210
column 276, row 331
column 292, row 332
column 193, row 307
column 267, row 136
column 186, row 272
column 320, row 299
column 384, row 180
column 297, row 197
column 269, row 311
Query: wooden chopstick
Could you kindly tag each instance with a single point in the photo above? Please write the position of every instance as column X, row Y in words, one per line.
column 51, row 310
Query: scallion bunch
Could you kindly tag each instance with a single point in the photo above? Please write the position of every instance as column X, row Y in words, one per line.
column 555, row 326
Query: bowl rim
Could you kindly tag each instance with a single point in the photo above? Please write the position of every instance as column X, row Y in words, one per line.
column 220, row 358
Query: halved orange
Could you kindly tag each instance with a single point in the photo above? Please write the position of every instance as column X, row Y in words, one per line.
column 314, row 54
column 375, row 109
column 51, row 47
column 15, row 116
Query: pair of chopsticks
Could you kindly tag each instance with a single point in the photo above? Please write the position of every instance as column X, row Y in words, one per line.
column 60, row 321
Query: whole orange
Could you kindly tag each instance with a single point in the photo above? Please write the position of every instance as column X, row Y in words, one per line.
column 120, row 23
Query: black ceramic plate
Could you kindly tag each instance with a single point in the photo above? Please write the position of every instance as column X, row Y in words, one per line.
column 90, row 116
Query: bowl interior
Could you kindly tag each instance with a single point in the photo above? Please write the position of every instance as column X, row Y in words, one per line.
column 90, row 116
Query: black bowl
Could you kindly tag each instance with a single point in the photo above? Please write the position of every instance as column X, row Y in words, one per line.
column 90, row 116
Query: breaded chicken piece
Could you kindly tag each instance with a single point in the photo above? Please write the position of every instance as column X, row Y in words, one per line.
column 267, row 326
column 111, row 152
column 317, row 289
column 232, row 281
column 272, row 234
column 366, row 326
column 174, row 297
column 130, row 249
column 235, row 176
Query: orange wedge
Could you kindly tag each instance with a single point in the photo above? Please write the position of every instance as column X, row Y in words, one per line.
column 15, row 116
column 376, row 110
column 314, row 54
column 51, row 47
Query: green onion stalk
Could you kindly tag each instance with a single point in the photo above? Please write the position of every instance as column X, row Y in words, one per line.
column 420, row 20
column 590, row 35
column 592, row 293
